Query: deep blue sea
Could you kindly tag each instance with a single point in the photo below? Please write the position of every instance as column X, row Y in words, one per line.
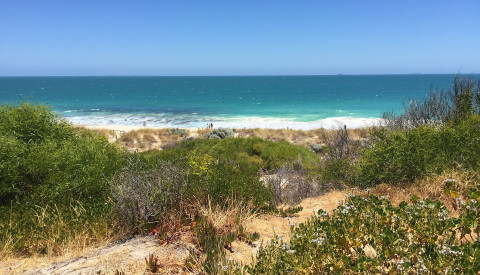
column 298, row 102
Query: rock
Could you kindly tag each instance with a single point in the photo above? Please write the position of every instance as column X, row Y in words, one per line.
column 369, row 251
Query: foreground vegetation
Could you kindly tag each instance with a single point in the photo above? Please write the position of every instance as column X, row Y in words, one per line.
column 63, row 188
column 53, row 182
column 371, row 235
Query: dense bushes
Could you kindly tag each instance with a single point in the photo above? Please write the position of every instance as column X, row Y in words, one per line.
column 402, row 156
column 436, row 134
column 50, row 173
column 232, row 167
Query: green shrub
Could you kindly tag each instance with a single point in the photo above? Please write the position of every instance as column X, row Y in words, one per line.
column 47, row 164
column 317, row 148
column 178, row 131
column 220, row 133
column 341, row 154
column 439, row 106
column 230, row 167
column 33, row 123
column 402, row 156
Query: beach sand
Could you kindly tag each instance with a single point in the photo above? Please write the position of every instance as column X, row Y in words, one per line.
column 127, row 128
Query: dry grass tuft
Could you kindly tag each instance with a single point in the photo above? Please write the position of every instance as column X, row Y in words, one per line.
column 431, row 188
column 229, row 217
column 147, row 139
column 300, row 137
column 79, row 244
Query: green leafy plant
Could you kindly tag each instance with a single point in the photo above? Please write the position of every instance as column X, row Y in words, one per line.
column 370, row 235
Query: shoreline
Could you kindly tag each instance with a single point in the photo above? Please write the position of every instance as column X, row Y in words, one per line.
column 251, row 123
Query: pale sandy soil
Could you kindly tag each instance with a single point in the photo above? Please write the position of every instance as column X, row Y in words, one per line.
column 129, row 256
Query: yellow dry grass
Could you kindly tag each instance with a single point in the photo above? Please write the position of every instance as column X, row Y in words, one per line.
column 147, row 139
column 154, row 139
column 299, row 137
column 229, row 217
column 431, row 188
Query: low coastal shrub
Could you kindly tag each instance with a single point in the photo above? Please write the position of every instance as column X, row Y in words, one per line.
column 317, row 148
column 220, row 133
column 291, row 184
column 178, row 131
column 143, row 195
column 52, row 177
column 370, row 235
column 33, row 124
column 401, row 156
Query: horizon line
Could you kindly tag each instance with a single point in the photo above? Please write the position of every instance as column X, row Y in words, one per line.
column 241, row 75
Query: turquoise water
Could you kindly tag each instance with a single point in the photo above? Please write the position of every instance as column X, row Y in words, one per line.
column 301, row 102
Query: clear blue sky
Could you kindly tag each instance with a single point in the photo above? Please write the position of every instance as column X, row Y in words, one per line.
column 242, row 37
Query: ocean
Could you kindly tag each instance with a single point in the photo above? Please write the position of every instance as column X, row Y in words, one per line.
column 296, row 102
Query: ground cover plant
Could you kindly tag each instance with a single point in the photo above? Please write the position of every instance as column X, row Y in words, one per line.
column 370, row 235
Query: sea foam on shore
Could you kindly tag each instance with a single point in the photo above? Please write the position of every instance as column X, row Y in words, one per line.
column 120, row 121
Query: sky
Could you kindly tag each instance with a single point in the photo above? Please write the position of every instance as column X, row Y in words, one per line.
column 233, row 37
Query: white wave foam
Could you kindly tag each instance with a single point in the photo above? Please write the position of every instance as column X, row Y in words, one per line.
column 234, row 122
column 282, row 123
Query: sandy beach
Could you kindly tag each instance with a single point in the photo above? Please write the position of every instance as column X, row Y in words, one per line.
column 127, row 128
